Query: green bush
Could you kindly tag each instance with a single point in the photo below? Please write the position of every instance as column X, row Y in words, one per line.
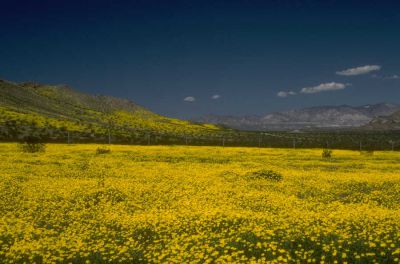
column 366, row 152
column 103, row 150
column 326, row 153
column 32, row 144
column 33, row 147
column 266, row 174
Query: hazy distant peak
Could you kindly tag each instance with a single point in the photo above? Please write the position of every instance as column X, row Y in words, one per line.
column 342, row 116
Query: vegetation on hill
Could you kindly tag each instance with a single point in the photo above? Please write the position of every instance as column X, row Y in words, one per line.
column 52, row 111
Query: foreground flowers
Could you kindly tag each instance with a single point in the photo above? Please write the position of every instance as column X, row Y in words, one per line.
column 198, row 204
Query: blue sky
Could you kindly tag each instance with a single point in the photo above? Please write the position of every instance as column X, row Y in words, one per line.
column 190, row 58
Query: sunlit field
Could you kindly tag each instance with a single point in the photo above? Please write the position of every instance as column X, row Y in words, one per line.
column 180, row 204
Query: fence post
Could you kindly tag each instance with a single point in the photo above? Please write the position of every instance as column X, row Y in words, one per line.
column 109, row 136
column 223, row 141
column 69, row 139
column 294, row 143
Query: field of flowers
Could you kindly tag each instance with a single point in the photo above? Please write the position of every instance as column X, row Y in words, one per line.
column 177, row 204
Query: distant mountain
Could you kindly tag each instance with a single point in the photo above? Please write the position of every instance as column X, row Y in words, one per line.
column 325, row 117
column 391, row 122
column 49, row 110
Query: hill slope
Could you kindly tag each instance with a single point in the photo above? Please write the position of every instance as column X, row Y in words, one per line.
column 313, row 117
column 48, row 110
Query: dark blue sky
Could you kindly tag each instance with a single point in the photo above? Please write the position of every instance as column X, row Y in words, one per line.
column 159, row 52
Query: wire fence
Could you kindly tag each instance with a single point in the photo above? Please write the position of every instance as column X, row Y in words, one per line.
column 355, row 140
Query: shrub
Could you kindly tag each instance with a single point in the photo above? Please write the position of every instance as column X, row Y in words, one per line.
column 98, row 196
column 367, row 152
column 103, row 150
column 32, row 145
column 326, row 153
column 266, row 174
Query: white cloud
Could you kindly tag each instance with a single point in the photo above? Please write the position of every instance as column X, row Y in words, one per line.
column 359, row 70
column 215, row 96
column 393, row 77
column 387, row 77
column 324, row 87
column 285, row 94
column 189, row 99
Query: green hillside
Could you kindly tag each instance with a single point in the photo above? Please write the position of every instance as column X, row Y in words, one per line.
column 53, row 111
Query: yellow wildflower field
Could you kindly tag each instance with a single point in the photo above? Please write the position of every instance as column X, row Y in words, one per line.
column 181, row 204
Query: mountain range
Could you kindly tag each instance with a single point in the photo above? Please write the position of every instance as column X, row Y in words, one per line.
column 370, row 116
column 391, row 122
